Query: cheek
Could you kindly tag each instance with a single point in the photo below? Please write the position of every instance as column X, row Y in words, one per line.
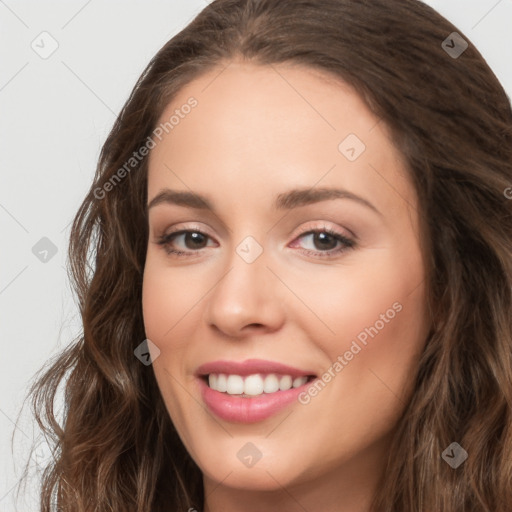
column 343, row 302
column 374, row 313
column 167, row 306
column 393, row 353
column 157, row 305
column 168, row 299
column 381, row 334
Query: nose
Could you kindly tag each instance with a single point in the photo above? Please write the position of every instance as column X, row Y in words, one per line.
column 247, row 299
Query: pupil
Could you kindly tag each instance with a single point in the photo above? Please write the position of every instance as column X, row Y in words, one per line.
column 195, row 237
column 322, row 237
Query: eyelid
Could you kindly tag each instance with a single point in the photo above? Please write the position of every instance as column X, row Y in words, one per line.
column 181, row 228
column 349, row 242
column 322, row 224
column 301, row 231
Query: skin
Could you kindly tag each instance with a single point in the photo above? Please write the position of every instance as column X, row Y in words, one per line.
column 256, row 132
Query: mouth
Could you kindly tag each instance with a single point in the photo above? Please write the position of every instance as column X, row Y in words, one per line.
column 252, row 390
column 254, row 385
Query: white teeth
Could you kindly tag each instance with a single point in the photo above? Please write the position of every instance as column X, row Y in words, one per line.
column 299, row 381
column 235, row 385
column 285, row 383
column 253, row 385
column 271, row 384
column 222, row 384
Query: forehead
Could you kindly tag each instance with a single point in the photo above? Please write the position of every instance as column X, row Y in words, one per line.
column 263, row 128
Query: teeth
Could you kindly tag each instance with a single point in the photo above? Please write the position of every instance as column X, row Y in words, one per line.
column 235, row 385
column 253, row 385
column 285, row 382
column 271, row 384
column 299, row 381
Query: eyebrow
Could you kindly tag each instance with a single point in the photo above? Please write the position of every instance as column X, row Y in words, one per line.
column 284, row 201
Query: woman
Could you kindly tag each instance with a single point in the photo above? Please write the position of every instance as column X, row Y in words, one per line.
column 301, row 219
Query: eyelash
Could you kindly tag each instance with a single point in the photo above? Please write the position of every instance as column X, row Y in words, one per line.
column 165, row 241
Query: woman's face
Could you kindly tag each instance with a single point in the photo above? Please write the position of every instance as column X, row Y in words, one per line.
column 266, row 147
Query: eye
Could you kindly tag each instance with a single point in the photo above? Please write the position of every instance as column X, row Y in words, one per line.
column 325, row 240
column 194, row 240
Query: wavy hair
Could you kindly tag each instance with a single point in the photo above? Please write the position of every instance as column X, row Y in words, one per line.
column 116, row 448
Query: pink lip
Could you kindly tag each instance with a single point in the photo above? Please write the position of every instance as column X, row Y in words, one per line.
column 250, row 367
column 248, row 410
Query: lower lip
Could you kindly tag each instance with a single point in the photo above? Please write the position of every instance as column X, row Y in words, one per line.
column 248, row 410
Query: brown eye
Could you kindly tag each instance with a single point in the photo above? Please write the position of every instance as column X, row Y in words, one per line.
column 191, row 241
column 324, row 242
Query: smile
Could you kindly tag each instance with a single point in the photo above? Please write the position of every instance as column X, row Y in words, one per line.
column 252, row 390
column 254, row 385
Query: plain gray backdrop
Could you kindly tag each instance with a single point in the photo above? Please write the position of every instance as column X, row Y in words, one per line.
column 66, row 70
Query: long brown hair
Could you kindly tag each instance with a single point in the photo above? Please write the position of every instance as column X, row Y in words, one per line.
column 117, row 449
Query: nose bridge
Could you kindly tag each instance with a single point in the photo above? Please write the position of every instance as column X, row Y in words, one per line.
column 247, row 278
column 249, row 250
column 246, row 293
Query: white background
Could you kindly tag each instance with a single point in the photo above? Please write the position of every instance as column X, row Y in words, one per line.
column 55, row 114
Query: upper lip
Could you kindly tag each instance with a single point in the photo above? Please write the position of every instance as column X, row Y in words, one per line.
column 250, row 367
